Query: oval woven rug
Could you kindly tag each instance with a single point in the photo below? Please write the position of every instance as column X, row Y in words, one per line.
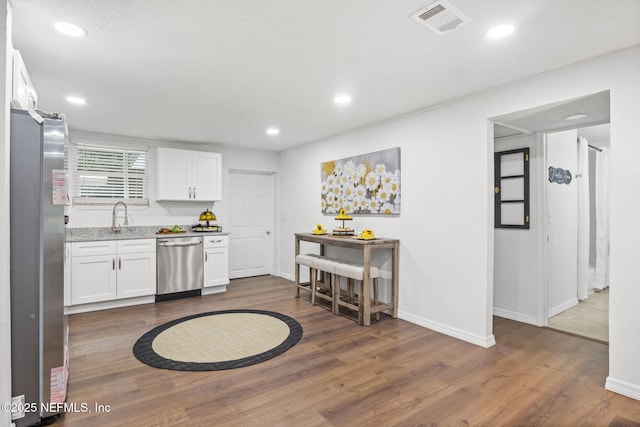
column 218, row 340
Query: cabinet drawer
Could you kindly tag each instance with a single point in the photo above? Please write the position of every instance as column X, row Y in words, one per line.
column 216, row 241
column 104, row 247
column 136, row 246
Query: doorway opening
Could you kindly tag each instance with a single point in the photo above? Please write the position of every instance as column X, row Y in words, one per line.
column 545, row 273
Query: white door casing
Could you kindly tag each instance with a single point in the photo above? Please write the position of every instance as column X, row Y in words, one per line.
column 252, row 223
column 562, row 218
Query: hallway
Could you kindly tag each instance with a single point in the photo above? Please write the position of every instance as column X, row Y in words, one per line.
column 590, row 318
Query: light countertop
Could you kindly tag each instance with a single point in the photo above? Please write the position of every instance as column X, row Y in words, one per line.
column 87, row 234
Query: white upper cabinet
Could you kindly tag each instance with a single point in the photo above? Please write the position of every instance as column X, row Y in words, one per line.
column 188, row 175
column 23, row 93
column 207, row 176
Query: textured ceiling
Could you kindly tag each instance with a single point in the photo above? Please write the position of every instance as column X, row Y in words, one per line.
column 222, row 71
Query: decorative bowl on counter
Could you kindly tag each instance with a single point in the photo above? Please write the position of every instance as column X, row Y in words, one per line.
column 172, row 230
column 206, row 228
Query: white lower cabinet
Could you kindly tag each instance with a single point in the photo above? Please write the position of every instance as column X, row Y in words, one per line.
column 216, row 263
column 136, row 268
column 109, row 270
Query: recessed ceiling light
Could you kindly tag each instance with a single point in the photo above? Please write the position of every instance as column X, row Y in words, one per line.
column 70, row 29
column 500, row 31
column 76, row 100
column 342, row 99
column 273, row 131
column 577, row 116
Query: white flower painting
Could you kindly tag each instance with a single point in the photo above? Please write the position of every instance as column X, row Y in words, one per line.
column 364, row 184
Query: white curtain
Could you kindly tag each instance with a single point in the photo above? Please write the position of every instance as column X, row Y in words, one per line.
column 602, row 218
column 583, row 218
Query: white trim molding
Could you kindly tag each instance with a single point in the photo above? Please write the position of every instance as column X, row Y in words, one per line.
column 486, row 342
column 562, row 307
column 622, row 387
column 518, row 317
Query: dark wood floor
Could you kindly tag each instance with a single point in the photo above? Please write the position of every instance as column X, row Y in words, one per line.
column 393, row 373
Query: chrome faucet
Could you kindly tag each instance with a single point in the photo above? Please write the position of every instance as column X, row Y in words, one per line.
column 114, row 228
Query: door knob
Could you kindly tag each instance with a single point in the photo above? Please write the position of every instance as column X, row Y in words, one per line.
column 269, row 232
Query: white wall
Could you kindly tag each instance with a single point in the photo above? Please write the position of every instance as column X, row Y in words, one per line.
column 444, row 213
column 445, row 228
column 170, row 213
column 618, row 72
column 562, row 206
column 515, row 294
column 5, row 306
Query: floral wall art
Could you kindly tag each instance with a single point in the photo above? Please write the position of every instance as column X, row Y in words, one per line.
column 363, row 184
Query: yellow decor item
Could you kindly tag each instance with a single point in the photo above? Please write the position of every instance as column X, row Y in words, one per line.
column 207, row 216
column 319, row 229
column 343, row 231
column 343, row 215
column 367, row 234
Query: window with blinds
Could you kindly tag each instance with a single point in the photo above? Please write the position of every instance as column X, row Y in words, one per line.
column 105, row 175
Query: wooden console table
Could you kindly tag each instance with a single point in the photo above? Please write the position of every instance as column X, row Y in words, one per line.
column 365, row 246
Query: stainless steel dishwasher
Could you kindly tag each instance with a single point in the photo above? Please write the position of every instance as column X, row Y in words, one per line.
column 179, row 267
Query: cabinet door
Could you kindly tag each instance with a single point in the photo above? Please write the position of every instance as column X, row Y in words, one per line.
column 173, row 174
column 136, row 274
column 93, row 278
column 207, row 174
column 216, row 267
column 23, row 92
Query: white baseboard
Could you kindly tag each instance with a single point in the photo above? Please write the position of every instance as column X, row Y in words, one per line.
column 518, row 317
column 291, row 277
column 485, row 342
column 562, row 307
column 214, row 290
column 460, row 334
column 105, row 305
column 622, row 387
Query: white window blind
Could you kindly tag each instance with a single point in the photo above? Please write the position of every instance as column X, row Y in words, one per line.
column 104, row 175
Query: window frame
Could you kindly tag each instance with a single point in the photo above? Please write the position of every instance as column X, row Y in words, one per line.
column 498, row 202
column 74, row 147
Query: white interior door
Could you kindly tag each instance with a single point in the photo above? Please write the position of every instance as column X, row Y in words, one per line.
column 251, row 219
column 562, row 216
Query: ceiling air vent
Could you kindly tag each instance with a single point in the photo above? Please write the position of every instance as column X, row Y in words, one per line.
column 441, row 17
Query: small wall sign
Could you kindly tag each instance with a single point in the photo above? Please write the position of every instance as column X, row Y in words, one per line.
column 559, row 176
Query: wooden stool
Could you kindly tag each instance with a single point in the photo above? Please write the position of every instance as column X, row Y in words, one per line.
column 318, row 264
column 355, row 274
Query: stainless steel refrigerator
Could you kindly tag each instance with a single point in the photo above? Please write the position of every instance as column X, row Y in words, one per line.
column 38, row 324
